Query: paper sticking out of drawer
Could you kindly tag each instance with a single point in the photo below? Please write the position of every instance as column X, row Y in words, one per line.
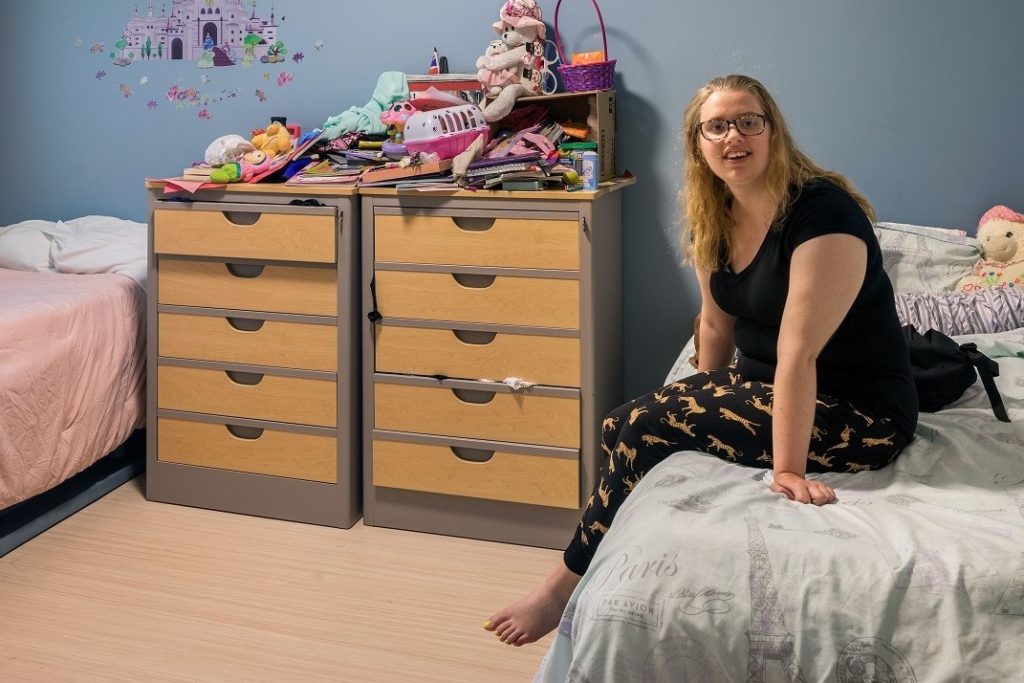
column 484, row 413
column 474, row 354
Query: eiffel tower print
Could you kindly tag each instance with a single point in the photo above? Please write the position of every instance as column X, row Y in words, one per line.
column 769, row 639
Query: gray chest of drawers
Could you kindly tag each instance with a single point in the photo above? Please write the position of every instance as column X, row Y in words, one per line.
column 253, row 398
column 473, row 293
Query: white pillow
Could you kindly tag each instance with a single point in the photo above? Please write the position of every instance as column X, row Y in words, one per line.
column 100, row 244
column 923, row 259
column 26, row 245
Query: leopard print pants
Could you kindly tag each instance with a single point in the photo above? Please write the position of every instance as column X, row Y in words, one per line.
column 719, row 413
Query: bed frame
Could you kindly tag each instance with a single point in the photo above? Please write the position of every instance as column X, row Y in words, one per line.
column 29, row 518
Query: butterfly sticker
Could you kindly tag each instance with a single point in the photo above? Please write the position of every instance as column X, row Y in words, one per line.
column 204, row 114
column 100, row 74
column 260, row 95
column 96, row 48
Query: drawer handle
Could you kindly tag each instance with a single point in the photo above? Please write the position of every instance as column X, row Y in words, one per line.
column 245, row 324
column 474, row 396
column 242, row 218
column 471, row 454
column 474, row 281
column 246, row 378
column 247, row 433
column 476, row 337
column 246, row 270
column 474, row 224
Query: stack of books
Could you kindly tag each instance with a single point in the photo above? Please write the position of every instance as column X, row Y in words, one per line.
column 431, row 171
column 494, row 173
column 197, row 172
column 325, row 172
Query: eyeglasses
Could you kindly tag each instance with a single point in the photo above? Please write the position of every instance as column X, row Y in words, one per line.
column 717, row 129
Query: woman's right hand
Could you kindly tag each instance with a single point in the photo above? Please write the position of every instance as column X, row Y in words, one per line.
column 802, row 490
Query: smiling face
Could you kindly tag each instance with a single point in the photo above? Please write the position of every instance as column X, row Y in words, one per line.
column 741, row 161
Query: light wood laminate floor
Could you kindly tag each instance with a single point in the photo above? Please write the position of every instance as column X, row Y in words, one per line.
column 129, row 590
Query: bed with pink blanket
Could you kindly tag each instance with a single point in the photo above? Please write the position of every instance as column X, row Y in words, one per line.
column 72, row 360
column 72, row 369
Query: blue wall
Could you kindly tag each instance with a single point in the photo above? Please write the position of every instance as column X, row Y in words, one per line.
column 919, row 102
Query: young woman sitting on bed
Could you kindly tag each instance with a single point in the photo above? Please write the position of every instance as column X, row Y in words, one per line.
column 790, row 274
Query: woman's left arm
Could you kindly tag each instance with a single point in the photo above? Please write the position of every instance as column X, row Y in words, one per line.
column 826, row 273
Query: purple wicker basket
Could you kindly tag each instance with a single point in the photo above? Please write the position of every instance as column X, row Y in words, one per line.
column 577, row 77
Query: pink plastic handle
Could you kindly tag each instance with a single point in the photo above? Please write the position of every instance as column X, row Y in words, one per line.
column 558, row 39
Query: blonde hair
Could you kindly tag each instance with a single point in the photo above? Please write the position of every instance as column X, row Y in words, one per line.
column 706, row 197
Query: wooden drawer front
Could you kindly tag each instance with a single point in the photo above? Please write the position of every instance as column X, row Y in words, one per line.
column 278, row 289
column 282, row 454
column 467, row 354
column 532, row 479
column 276, row 236
column 500, row 242
column 284, row 344
column 534, row 302
column 519, row 418
column 258, row 397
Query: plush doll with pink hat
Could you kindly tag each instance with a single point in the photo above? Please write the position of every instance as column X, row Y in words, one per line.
column 516, row 68
column 1001, row 237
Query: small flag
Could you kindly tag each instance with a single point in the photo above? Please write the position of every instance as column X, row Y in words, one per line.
column 433, row 68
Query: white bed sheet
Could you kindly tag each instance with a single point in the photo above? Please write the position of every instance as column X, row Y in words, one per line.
column 915, row 574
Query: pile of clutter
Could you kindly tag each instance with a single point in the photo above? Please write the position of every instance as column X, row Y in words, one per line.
column 435, row 138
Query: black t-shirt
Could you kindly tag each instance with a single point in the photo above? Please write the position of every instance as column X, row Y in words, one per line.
column 866, row 360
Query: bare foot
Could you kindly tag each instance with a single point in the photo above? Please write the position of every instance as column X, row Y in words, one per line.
column 537, row 613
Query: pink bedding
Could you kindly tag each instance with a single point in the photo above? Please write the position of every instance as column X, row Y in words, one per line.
column 72, row 374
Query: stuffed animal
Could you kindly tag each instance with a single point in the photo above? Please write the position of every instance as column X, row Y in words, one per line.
column 243, row 170
column 494, row 81
column 517, row 68
column 227, row 148
column 1001, row 236
column 395, row 117
column 274, row 140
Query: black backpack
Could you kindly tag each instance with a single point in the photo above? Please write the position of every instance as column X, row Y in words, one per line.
column 944, row 369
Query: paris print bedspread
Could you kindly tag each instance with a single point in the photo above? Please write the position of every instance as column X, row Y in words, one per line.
column 916, row 573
